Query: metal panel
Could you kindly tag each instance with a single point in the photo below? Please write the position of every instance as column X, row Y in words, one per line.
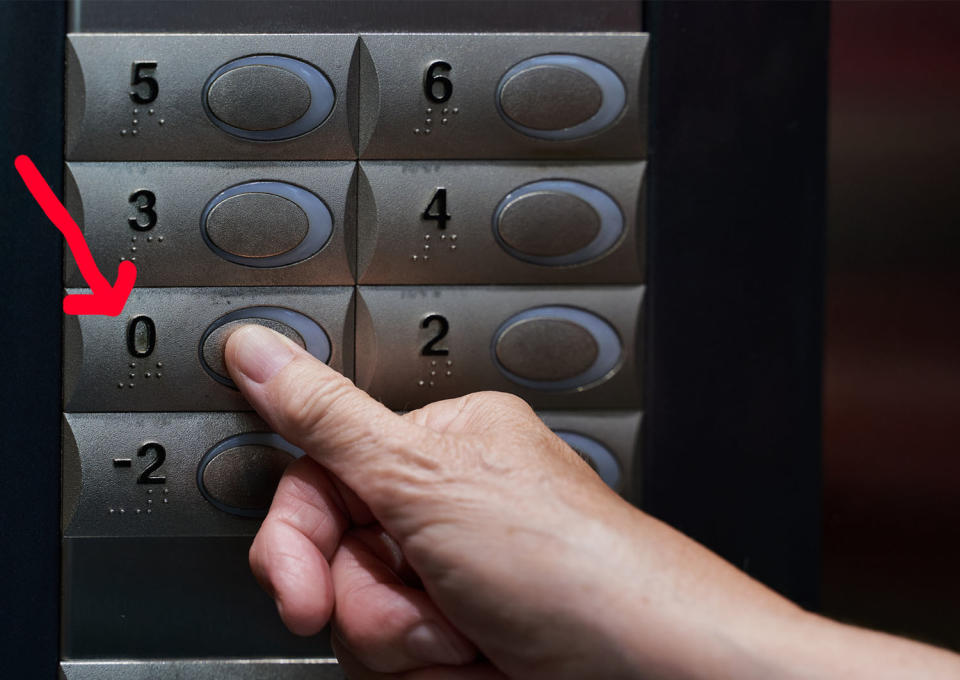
column 100, row 196
column 98, row 365
column 393, row 196
column 203, row 669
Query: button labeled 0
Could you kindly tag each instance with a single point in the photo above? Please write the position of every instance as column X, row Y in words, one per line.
column 240, row 474
column 301, row 329
column 557, row 223
column 266, row 224
column 267, row 97
column 556, row 348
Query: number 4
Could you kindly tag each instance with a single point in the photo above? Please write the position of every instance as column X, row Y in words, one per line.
column 440, row 202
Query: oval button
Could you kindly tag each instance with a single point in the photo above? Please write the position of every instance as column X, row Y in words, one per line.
column 528, row 97
column 301, row 329
column 558, row 223
column 267, row 97
column 240, row 474
column 560, row 96
column 266, row 224
column 595, row 454
column 556, row 348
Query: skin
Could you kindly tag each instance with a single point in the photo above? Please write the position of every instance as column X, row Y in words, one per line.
column 465, row 541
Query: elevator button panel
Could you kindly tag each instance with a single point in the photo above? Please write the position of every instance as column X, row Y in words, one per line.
column 202, row 97
column 217, row 224
column 558, row 349
column 454, row 222
column 164, row 352
column 502, row 96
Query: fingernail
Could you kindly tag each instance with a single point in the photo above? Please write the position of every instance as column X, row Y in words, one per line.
column 430, row 644
column 259, row 353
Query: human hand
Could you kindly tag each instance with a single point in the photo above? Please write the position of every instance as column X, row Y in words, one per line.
column 466, row 541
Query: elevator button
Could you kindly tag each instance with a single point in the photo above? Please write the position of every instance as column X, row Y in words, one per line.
column 258, row 97
column 560, row 96
column 256, row 225
column 548, row 223
column 215, row 343
column 558, row 223
column 266, row 224
column 546, row 349
column 530, row 97
column 299, row 328
column 597, row 456
column 268, row 97
column 240, row 474
column 556, row 348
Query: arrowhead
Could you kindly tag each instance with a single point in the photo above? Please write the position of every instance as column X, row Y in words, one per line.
column 108, row 301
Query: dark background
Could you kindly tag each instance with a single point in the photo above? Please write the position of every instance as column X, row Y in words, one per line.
column 891, row 501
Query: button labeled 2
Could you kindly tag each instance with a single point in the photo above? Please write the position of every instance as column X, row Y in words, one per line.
column 567, row 348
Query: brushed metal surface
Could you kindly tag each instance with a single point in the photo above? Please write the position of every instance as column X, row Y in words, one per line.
column 100, row 114
column 173, row 253
column 258, row 97
column 546, row 349
column 548, row 223
column 101, row 375
column 393, row 196
column 550, row 97
column 397, row 120
column 391, row 338
column 203, row 669
column 256, row 225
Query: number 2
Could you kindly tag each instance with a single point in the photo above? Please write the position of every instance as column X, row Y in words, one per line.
column 430, row 350
column 159, row 455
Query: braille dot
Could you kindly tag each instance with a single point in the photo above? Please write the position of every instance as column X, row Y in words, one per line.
column 445, row 110
column 133, row 249
column 133, row 238
column 159, row 374
column 136, row 111
column 133, row 259
column 452, row 247
column 133, row 132
column 123, row 132
column 165, row 500
column 149, row 511
column 149, row 238
column 449, row 373
column 443, row 236
column 150, row 112
column 159, row 238
column 149, row 501
column 443, row 121
column 135, row 121
column 416, row 131
column 414, row 258
column 161, row 121
column 426, row 237
column 453, row 237
column 426, row 131
column 159, row 364
column 449, row 363
column 428, row 121
column 426, row 257
column 122, row 511
column 429, row 111
column 166, row 491
column 147, row 374
column 426, row 246
column 132, row 365
column 138, row 511
column 120, row 385
column 133, row 375
column 112, row 511
column 149, row 491
column 122, row 258
column 433, row 363
column 129, row 384
column 431, row 383
column 433, row 372
column 419, row 382
column 456, row 109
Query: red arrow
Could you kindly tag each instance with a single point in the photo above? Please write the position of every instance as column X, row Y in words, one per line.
column 105, row 299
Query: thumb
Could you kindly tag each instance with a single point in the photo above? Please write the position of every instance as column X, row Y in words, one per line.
column 366, row 445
